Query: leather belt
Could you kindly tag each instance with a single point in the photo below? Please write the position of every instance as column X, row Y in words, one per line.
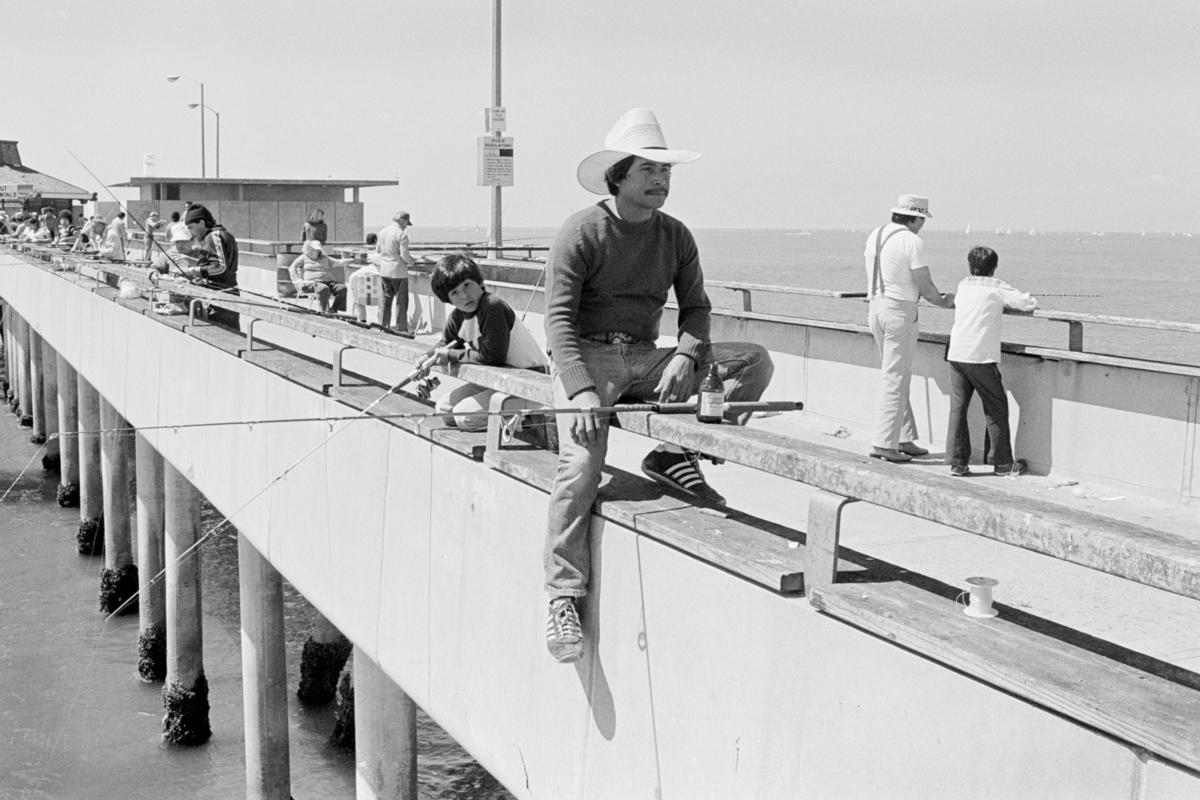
column 614, row 337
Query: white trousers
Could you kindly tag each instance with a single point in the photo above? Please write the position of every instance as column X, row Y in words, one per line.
column 894, row 326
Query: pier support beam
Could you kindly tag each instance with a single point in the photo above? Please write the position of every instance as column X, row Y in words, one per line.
column 264, row 676
column 90, row 539
column 325, row 653
column 36, row 409
column 385, row 735
column 6, row 375
column 152, row 592
column 185, row 694
column 24, row 382
column 119, row 581
column 68, row 423
column 51, row 460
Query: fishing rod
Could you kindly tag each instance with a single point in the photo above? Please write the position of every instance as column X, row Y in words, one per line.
column 149, row 235
column 521, row 413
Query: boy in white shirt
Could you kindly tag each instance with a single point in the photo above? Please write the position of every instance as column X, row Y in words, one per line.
column 974, row 356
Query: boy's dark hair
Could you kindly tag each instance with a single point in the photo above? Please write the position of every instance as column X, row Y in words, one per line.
column 450, row 272
column 982, row 261
column 174, row 216
column 372, row 238
column 903, row 219
column 617, row 172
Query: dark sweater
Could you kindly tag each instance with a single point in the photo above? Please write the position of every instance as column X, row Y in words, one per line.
column 607, row 275
column 494, row 319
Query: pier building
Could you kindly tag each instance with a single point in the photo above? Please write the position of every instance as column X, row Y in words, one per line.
column 23, row 188
column 806, row 642
column 269, row 209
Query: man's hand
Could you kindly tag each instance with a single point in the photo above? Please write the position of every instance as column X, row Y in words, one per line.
column 676, row 382
column 583, row 424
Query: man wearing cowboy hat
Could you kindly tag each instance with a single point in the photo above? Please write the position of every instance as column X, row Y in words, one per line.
column 897, row 277
column 608, row 275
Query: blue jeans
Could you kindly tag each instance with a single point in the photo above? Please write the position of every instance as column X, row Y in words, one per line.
column 965, row 380
column 622, row 371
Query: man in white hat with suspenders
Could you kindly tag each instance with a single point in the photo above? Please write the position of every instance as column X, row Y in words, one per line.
column 608, row 275
column 897, row 277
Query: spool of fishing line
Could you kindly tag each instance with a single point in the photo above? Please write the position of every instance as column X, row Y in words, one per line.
column 980, row 605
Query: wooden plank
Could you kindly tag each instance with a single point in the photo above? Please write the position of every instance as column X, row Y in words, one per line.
column 1131, row 704
column 1136, row 552
column 754, row 549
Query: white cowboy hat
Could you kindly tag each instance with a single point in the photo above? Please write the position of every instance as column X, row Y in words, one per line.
column 637, row 133
column 913, row 205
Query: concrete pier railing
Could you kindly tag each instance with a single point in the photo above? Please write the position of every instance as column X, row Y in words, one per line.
column 727, row 656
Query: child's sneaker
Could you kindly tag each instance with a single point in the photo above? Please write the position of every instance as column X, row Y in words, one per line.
column 1018, row 467
column 680, row 471
column 960, row 470
column 564, row 633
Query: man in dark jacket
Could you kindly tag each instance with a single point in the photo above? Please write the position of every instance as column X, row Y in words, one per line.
column 216, row 260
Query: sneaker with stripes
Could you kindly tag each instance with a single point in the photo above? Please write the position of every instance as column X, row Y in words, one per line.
column 564, row 633
column 680, row 471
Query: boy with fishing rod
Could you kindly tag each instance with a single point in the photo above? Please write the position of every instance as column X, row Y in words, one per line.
column 974, row 358
column 608, row 274
column 482, row 329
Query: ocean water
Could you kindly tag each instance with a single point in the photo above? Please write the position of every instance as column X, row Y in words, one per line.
column 1142, row 276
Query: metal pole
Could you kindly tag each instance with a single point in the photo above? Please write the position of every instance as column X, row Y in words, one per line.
column 203, row 173
column 497, row 235
column 218, row 143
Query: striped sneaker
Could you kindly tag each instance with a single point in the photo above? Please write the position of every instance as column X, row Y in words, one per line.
column 680, row 471
column 564, row 633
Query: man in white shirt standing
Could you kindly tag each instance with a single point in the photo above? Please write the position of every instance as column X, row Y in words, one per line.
column 897, row 277
column 394, row 261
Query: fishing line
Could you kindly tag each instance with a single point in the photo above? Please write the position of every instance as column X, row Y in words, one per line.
column 121, row 205
column 21, row 474
column 228, row 517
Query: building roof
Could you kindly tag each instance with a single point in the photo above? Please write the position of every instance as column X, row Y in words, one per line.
column 13, row 171
column 147, row 180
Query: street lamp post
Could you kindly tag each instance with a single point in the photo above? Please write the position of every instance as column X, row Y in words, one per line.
column 172, row 79
column 217, row 114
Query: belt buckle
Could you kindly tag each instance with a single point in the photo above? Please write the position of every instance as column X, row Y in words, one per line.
column 619, row 337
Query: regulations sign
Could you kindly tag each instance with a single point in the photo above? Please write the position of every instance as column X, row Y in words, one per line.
column 495, row 161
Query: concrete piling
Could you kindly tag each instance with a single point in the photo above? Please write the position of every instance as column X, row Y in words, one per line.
column 321, row 661
column 385, row 734
column 152, row 597
column 24, row 382
column 264, row 676
column 185, row 693
column 51, row 460
column 68, row 422
column 36, row 410
column 119, row 581
column 90, row 539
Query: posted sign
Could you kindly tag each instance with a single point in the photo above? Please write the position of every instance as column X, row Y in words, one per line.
column 495, row 161
column 15, row 191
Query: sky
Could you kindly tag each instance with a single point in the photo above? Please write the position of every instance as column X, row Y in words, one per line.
column 1075, row 115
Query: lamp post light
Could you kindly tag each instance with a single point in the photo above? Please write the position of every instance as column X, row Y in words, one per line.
column 217, row 114
column 172, row 79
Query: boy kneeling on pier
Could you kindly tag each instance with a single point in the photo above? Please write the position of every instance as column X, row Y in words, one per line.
column 482, row 329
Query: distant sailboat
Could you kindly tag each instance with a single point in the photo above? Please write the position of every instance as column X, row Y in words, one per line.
column 1032, row 232
column 967, row 231
column 1007, row 231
